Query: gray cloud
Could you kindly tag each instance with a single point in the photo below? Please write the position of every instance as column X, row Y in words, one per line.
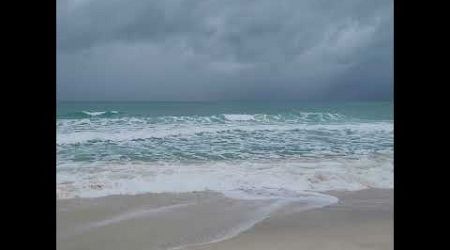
column 224, row 49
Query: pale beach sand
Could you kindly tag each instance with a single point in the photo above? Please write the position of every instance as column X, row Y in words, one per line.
column 360, row 220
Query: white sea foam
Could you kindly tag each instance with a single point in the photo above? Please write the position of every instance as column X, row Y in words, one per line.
column 235, row 154
column 94, row 113
column 238, row 117
column 235, row 179
column 99, row 113
column 124, row 133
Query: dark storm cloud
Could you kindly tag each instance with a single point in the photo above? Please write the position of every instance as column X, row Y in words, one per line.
column 224, row 49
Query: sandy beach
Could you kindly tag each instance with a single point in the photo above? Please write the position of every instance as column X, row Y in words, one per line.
column 207, row 220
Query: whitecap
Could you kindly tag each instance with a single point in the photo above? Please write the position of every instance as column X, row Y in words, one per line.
column 238, row 117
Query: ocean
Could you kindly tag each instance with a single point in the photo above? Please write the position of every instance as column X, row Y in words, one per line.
column 240, row 149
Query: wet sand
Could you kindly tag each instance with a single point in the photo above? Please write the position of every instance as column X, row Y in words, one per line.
column 207, row 220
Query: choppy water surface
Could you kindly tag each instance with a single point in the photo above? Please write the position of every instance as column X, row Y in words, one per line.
column 233, row 148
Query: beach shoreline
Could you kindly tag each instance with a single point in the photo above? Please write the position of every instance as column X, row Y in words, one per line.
column 208, row 220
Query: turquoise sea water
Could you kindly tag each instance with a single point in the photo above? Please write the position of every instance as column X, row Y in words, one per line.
column 132, row 147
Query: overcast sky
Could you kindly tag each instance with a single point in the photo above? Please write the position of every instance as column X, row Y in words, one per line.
column 207, row 50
